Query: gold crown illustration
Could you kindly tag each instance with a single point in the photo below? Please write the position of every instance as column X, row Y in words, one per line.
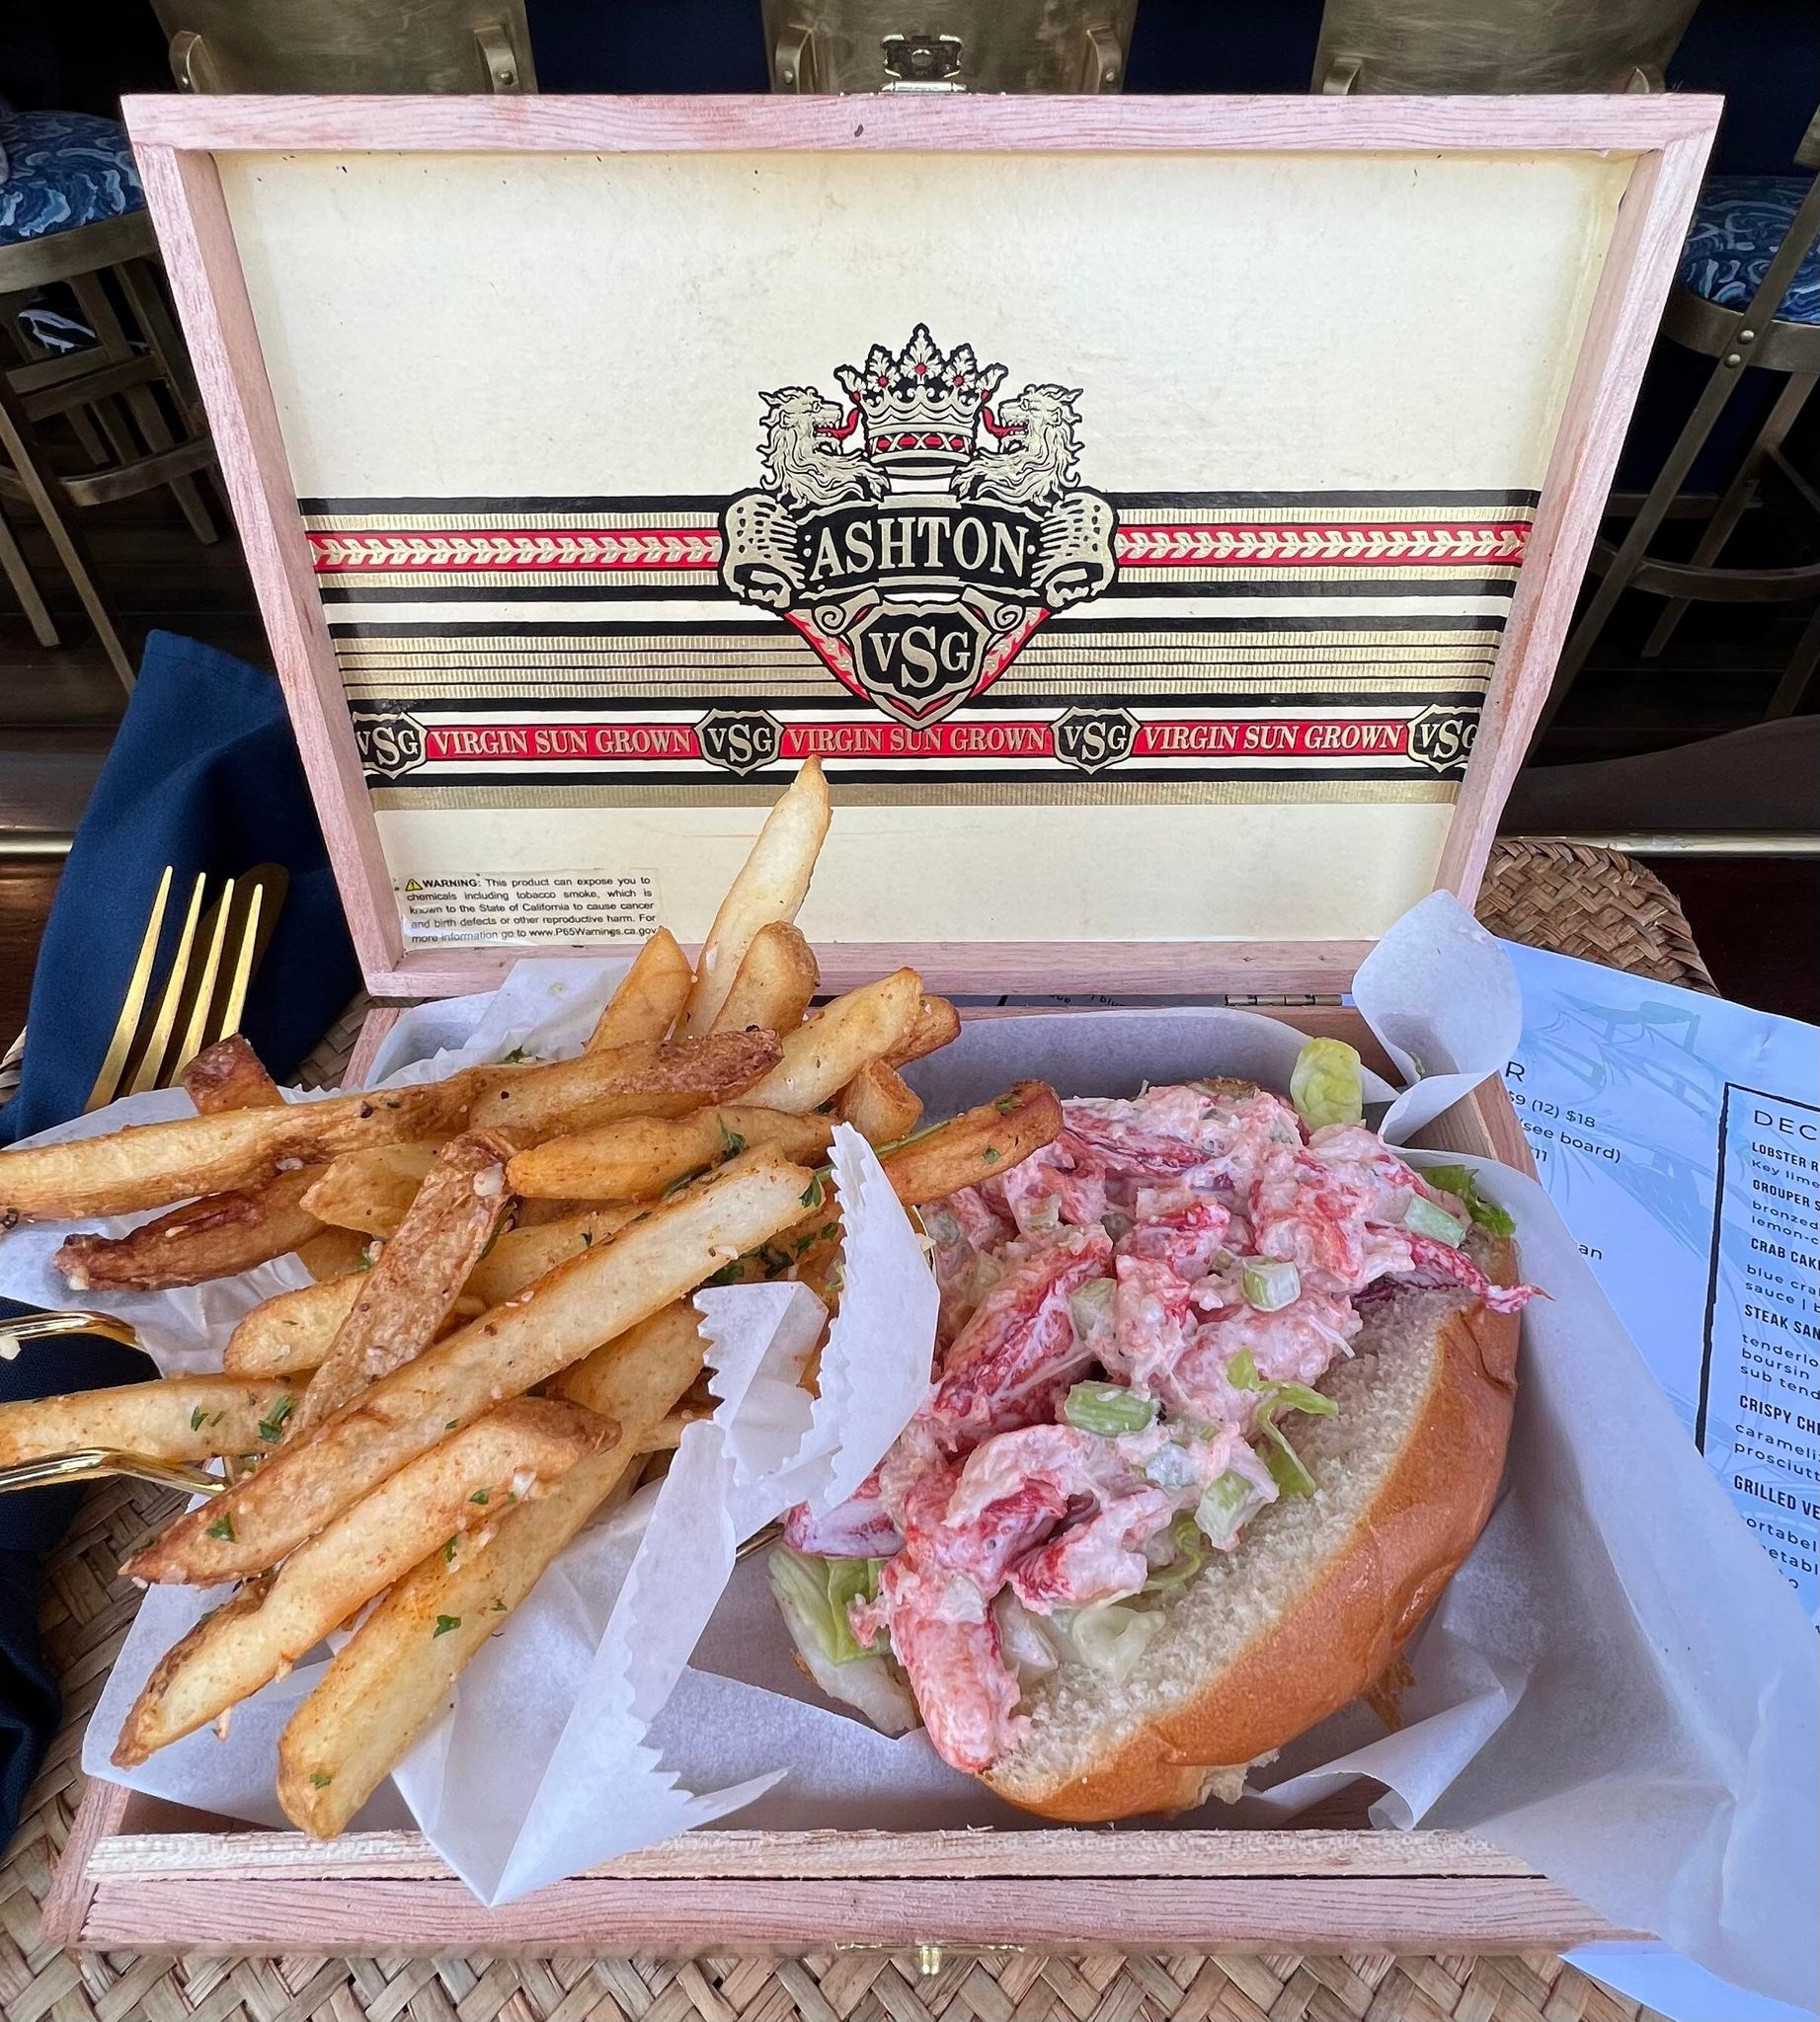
column 920, row 408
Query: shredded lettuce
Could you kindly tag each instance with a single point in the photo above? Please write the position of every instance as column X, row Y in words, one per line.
column 1464, row 1185
column 1111, row 1636
column 1107, row 1409
column 1190, row 1556
column 1286, row 1465
column 1023, row 1640
column 1327, row 1085
column 815, row 1595
column 1426, row 1219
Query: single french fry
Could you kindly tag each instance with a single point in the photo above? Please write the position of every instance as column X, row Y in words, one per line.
column 370, row 1191
column 591, row 1299
column 775, row 983
column 419, row 1277
column 291, row 1335
column 531, row 1104
column 974, row 1145
column 393, row 1677
column 461, row 1485
column 770, row 885
column 535, row 1214
column 176, row 1418
column 213, row 1237
column 937, row 1023
column 229, row 1076
column 336, row 1253
column 640, row 1156
column 880, row 1103
column 638, row 1378
column 650, row 997
column 150, row 1165
column 824, row 1053
column 523, row 1255
column 667, row 1435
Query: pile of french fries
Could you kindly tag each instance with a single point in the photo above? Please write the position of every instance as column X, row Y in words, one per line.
column 499, row 1341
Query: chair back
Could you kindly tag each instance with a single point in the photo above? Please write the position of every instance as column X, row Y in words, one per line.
column 348, row 46
column 1433, row 46
column 983, row 46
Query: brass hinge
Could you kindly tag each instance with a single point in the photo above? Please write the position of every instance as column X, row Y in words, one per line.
column 929, row 1956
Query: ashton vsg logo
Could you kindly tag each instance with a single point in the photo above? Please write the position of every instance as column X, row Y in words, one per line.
column 913, row 534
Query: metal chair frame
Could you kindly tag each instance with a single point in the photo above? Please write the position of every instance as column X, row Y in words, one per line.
column 1738, row 340
column 108, row 393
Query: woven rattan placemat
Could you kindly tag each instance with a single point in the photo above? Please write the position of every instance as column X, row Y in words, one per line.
column 1580, row 901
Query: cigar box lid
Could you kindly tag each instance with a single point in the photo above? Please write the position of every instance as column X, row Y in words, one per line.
column 1161, row 517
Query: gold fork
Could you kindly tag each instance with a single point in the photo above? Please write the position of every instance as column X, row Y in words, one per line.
column 204, row 993
column 90, row 1460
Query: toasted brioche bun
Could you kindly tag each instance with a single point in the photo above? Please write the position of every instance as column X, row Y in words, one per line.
column 1320, row 1595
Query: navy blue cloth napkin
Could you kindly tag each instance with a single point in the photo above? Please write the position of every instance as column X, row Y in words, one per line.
column 204, row 775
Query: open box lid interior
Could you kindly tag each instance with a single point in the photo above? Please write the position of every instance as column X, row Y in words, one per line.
column 1163, row 533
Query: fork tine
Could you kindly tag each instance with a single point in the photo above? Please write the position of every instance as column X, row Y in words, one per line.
column 145, row 1074
column 106, row 1081
column 240, row 971
column 192, row 1042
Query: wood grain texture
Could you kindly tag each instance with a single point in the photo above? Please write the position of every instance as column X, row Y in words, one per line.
column 464, row 124
column 183, row 193
column 256, row 1914
column 179, row 137
column 1016, row 967
column 833, row 1855
column 1639, row 264
column 98, row 1820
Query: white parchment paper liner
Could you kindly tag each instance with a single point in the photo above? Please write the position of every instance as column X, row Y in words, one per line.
column 542, row 1767
column 1617, row 1687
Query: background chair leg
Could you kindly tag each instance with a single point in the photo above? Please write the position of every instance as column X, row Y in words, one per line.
column 1720, row 387
column 92, row 294
column 1737, row 498
column 1791, row 689
column 139, row 282
column 45, row 496
column 19, row 575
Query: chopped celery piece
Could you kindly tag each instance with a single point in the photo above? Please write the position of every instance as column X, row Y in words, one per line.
column 1043, row 1217
column 1329, row 1084
column 1426, row 1219
column 1190, row 1557
column 1464, row 1185
column 1108, row 1409
column 815, row 1595
column 1269, row 1286
column 1223, row 1507
column 1090, row 1308
column 1241, row 1371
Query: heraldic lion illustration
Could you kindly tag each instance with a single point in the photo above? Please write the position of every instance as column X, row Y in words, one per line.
column 1038, row 451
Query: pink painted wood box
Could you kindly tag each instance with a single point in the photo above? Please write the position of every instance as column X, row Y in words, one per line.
column 1162, row 516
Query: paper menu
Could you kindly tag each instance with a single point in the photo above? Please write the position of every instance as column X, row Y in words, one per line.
column 1680, row 1138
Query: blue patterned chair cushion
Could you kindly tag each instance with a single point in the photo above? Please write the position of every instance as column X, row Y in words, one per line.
column 1738, row 224
column 61, row 170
